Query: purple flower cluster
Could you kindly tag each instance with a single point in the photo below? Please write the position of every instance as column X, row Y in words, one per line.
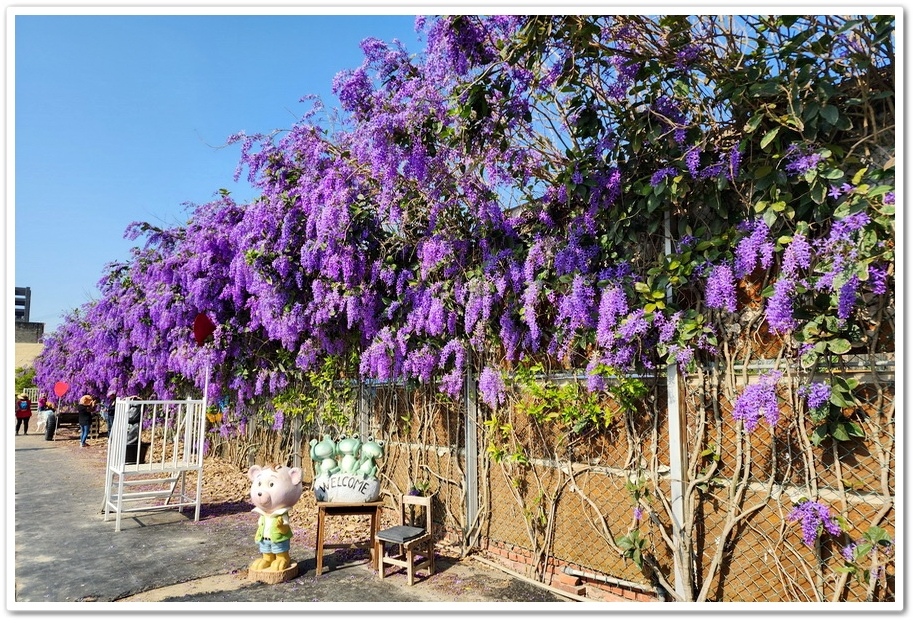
column 814, row 517
column 661, row 175
column 797, row 256
column 817, row 394
column 576, row 311
column 753, row 248
column 847, row 298
column 720, row 289
column 877, row 277
column 801, row 160
column 686, row 55
column 779, row 307
column 849, row 551
column 492, row 388
column 758, row 400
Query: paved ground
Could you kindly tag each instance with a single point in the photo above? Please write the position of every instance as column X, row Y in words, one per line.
column 66, row 554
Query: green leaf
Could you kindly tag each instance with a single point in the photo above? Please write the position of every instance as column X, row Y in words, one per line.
column 839, row 346
column 768, row 137
column 848, row 26
column 809, row 358
column 753, row 122
column 811, row 109
column 624, row 542
column 854, row 430
column 830, row 114
column 839, row 432
column 848, row 383
column 819, row 434
column 818, row 192
column 837, row 399
column 878, row 535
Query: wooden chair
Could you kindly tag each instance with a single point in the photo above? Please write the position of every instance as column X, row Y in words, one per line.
column 413, row 537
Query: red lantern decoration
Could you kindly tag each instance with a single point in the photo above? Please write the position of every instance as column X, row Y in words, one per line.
column 203, row 328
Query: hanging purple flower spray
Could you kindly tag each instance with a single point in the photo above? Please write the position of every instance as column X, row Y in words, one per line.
column 758, row 399
column 814, row 518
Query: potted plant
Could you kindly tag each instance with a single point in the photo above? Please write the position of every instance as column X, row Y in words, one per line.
column 419, row 487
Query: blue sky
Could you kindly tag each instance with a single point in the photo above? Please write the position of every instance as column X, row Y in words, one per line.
column 121, row 118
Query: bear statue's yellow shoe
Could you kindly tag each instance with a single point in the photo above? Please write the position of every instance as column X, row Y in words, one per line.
column 281, row 562
column 264, row 562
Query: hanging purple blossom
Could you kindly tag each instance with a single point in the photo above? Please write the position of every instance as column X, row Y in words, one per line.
column 611, row 307
column 659, row 176
column 817, row 393
column 720, row 289
column 753, row 247
column 693, row 160
column 491, row 387
column 800, row 161
column 779, row 307
column 847, row 298
column 758, row 400
column 683, row 358
column 849, row 551
column 797, row 256
column 814, row 518
column 734, row 162
column 877, row 278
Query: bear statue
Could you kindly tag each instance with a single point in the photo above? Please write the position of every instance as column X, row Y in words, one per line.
column 274, row 491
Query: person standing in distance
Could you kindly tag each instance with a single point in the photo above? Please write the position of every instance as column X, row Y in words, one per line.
column 23, row 413
column 107, row 411
column 86, row 411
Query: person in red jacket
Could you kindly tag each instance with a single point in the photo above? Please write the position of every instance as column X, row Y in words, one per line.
column 23, row 413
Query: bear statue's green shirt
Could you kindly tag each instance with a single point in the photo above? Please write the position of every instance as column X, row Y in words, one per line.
column 267, row 524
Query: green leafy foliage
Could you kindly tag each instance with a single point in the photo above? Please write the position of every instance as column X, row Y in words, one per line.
column 25, row 377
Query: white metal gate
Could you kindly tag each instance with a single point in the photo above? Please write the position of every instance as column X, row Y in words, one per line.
column 155, row 446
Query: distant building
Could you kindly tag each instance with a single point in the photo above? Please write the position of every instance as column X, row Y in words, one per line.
column 28, row 334
column 23, row 302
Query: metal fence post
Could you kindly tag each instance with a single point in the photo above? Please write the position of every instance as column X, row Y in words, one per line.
column 470, row 452
column 362, row 410
column 677, row 448
column 677, row 433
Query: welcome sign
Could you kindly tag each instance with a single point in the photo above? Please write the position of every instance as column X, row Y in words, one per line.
column 346, row 470
column 346, row 488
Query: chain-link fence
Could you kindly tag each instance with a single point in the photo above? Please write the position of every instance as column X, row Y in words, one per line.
column 673, row 499
column 600, row 511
